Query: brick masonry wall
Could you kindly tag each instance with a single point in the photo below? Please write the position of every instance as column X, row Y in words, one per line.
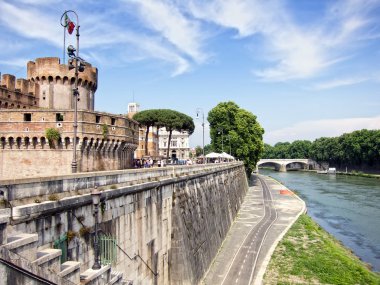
column 24, row 163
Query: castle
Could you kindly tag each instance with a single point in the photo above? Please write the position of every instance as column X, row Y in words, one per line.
column 29, row 107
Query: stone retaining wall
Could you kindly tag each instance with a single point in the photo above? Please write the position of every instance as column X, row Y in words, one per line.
column 168, row 222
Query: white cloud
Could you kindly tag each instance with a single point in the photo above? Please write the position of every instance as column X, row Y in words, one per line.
column 293, row 51
column 16, row 62
column 176, row 32
column 166, row 18
column 30, row 23
column 109, row 37
column 310, row 130
column 339, row 82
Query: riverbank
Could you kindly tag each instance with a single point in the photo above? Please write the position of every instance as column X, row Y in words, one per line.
column 309, row 255
column 359, row 174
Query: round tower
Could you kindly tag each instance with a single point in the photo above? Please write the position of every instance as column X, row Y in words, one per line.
column 57, row 82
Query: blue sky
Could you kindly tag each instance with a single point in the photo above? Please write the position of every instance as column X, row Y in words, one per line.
column 306, row 68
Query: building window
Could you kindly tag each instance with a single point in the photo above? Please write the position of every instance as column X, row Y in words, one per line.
column 113, row 121
column 59, row 117
column 97, row 119
column 27, row 117
column 174, row 143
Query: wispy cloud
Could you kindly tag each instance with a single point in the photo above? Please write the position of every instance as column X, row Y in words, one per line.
column 16, row 62
column 109, row 37
column 293, row 51
column 166, row 19
column 177, row 32
column 30, row 23
column 310, row 130
column 339, row 83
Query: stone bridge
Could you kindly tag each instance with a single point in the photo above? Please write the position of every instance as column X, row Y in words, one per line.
column 281, row 164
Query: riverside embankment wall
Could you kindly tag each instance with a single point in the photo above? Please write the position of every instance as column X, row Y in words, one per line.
column 168, row 223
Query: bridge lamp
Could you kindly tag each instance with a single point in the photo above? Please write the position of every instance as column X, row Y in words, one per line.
column 95, row 195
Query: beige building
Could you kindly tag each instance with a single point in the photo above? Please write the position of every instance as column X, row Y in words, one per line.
column 179, row 144
column 140, row 152
column 29, row 107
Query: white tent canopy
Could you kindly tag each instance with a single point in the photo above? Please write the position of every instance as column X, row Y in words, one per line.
column 226, row 155
column 220, row 155
column 213, row 155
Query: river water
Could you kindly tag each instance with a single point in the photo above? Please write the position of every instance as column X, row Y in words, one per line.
column 347, row 207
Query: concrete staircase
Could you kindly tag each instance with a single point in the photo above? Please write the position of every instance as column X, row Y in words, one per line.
column 21, row 253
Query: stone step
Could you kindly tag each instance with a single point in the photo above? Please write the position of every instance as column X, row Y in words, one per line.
column 70, row 270
column 116, row 278
column 24, row 245
column 49, row 259
column 98, row 277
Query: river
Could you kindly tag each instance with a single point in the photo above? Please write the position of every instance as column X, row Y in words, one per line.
column 347, row 207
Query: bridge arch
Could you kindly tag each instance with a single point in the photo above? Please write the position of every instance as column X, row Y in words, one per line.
column 283, row 164
column 274, row 164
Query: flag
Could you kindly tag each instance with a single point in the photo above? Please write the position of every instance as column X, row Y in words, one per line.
column 69, row 24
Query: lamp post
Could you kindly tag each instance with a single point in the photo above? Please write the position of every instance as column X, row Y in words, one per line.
column 229, row 140
column 220, row 130
column 200, row 110
column 95, row 195
column 71, row 52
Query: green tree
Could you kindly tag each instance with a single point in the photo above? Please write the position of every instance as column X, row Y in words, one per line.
column 228, row 120
column 174, row 121
column 147, row 118
column 268, row 151
column 299, row 149
column 198, row 150
column 208, row 149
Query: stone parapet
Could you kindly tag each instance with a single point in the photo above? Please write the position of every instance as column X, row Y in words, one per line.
column 22, row 191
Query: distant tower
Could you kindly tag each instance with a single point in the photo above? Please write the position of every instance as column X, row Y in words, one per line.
column 56, row 82
column 133, row 108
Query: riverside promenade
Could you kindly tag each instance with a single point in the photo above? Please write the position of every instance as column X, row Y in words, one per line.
column 268, row 211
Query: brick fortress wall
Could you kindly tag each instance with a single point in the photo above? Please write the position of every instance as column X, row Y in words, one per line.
column 29, row 107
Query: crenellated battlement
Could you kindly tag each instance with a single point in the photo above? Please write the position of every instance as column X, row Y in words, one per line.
column 49, row 70
column 21, row 85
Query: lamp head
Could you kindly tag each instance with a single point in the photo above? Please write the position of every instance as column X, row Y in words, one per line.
column 71, row 51
column 81, row 66
column 71, row 64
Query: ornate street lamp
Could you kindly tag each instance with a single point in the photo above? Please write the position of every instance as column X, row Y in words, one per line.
column 95, row 195
column 200, row 110
column 71, row 52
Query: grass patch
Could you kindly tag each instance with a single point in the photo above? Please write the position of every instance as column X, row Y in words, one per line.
column 309, row 255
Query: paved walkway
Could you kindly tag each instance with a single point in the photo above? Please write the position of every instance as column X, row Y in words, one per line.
column 268, row 211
